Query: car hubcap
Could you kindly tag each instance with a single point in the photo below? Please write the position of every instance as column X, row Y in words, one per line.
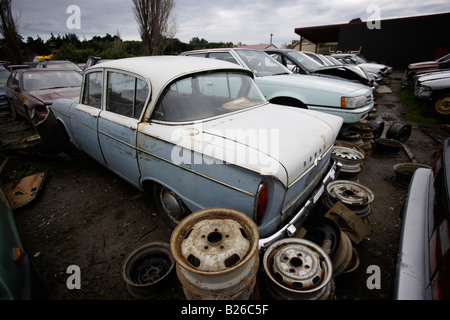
column 172, row 205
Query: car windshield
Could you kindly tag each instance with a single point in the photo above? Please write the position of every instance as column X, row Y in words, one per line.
column 207, row 95
column 50, row 80
column 305, row 61
column 334, row 60
column 261, row 63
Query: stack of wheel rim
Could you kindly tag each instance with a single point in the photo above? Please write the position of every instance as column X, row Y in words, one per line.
column 367, row 133
column 298, row 269
column 353, row 195
column 327, row 234
column 350, row 158
column 216, row 254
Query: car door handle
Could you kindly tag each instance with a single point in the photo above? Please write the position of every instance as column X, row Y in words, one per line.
column 94, row 115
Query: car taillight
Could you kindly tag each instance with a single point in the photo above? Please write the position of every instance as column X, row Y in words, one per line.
column 260, row 204
column 441, row 262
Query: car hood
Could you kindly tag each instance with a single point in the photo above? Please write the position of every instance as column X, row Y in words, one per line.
column 329, row 85
column 50, row 95
column 425, row 64
column 443, row 75
column 272, row 139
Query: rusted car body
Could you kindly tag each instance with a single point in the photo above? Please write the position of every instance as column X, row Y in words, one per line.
column 198, row 133
column 30, row 91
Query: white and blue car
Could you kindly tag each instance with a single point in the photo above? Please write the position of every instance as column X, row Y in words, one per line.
column 350, row 101
column 198, row 133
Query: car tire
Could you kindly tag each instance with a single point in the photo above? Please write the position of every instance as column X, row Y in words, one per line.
column 442, row 104
column 170, row 205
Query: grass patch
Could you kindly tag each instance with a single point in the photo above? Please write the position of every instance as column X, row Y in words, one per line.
column 421, row 113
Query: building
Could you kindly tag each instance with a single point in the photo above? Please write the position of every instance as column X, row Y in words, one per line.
column 397, row 42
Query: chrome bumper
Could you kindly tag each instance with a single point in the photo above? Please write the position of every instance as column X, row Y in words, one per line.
column 291, row 228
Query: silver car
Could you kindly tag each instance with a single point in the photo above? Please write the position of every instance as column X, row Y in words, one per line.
column 423, row 266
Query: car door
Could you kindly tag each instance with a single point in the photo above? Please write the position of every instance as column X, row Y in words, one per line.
column 84, row 117
column 126, row 96
column 13, row 94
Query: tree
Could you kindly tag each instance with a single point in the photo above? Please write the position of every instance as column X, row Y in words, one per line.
column 156, row 24
column 8, row 30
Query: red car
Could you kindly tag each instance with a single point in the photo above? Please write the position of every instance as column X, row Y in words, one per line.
column 418, row 67
column 30, row 91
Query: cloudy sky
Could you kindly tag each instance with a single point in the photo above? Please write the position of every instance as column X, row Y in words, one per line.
column 248, row 22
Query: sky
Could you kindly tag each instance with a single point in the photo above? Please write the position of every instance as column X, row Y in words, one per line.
column 249, row 22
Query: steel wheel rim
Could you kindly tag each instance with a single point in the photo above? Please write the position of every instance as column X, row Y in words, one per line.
column 443, row 105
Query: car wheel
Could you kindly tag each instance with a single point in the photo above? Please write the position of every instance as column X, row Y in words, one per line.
column 442, row 104
column 170, row 205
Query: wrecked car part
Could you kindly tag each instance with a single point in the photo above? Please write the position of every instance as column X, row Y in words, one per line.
column 216, row 254
column 350, row 159
column 23, row 191
column 398, row 131
column 149, row 270
column 388, row 146
column 352, row 194
column 298, row 269
column 404, row 171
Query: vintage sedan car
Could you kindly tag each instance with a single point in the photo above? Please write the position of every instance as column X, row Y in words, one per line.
column 299, row 62
column 351, row 101
column 423, row 265
column 31, row 91
column 19, row 279
column 198, row 133
column 435, row 88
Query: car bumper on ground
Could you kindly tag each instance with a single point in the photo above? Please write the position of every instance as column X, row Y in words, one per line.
column 410, row 280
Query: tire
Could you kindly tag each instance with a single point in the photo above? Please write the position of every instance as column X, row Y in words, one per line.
column 169, row 205
column 442, row 104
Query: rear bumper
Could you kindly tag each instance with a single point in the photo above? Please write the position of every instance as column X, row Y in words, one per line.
column 290, row 229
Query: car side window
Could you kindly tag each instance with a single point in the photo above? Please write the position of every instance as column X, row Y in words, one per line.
column 126, row 95
column 92, row 91
column 225, row 56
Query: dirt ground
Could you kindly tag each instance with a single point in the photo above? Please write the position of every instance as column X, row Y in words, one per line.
column 84, row 215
